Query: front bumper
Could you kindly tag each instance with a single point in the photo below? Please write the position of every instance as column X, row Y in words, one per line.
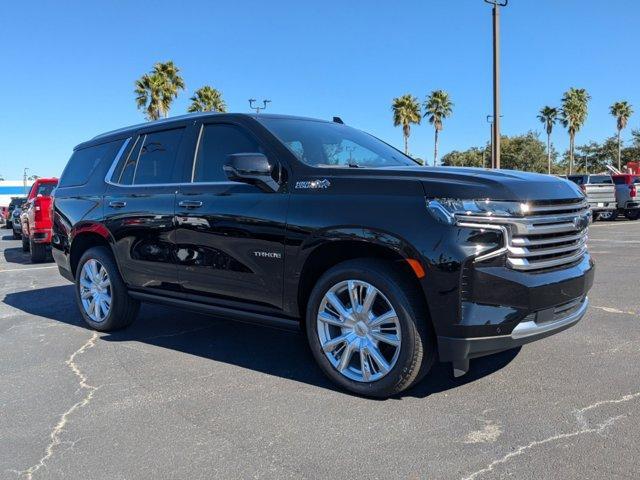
column 534, row 327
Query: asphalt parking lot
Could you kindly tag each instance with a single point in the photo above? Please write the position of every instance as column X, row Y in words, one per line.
column 182, row 395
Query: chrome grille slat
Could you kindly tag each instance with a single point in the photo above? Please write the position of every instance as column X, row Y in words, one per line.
column 551, row 235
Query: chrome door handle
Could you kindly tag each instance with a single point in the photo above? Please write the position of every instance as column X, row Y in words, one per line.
column 117, row 204
column 190, row 204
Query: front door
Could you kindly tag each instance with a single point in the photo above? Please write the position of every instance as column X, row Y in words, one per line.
column 229, row 235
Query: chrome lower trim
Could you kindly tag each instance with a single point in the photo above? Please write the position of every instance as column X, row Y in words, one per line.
column 531, row 328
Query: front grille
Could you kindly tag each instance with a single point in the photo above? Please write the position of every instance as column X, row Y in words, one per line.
column 553, row 234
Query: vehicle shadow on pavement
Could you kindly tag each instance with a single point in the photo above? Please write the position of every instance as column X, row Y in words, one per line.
column 16, row 255
column 273, row 351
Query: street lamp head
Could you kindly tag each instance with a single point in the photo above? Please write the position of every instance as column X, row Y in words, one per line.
column 497, row 3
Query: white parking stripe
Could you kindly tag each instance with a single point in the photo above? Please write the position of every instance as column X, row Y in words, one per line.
column 25, row 269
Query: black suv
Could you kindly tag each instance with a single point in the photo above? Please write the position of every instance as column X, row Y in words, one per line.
column 386, row 265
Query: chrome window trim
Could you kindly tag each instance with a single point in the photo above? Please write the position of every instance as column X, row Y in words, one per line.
column 107, row 177
column 195, row 154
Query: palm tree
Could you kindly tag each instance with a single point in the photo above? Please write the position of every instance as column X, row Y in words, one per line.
column 207, row 99
column 548, row 116
column 406, row 110
column 437, row 106
column 155, row 91
column 622, row 111
column 573, row 115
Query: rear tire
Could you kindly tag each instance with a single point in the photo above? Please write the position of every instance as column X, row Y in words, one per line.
column 25, row 244
column 364, row 372
column 112, row 307
column 38, row 251
column 632, row 214
column 16, row 235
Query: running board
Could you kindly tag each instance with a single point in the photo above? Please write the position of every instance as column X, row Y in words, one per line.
column 224, row 312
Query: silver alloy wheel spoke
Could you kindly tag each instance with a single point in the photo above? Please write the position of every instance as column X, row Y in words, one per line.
column 359, row 330
column 95, row 290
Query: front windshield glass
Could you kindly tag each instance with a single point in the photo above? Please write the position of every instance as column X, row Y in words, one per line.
column 325, row 144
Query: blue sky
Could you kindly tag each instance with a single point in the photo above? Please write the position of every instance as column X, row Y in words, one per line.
column 69, row 67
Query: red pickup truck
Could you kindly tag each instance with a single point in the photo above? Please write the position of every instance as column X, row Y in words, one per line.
column 36, row 219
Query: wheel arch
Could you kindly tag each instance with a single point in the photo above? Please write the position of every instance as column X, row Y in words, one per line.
column 337, row 246
column 87, row 236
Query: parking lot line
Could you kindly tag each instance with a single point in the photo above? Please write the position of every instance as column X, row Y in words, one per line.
column 24, row 269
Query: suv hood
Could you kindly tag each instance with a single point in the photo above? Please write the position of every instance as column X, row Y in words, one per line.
column 478, row 183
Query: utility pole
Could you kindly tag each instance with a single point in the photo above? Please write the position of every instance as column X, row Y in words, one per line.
column 490, row 122
column 24, row 179
column 258, row 108
column 496, row 78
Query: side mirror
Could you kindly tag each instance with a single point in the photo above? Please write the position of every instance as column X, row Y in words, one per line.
column 251, row 168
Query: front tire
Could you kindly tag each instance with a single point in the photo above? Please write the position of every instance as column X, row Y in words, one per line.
column 16, row 235
column 368, row 328
column 101, row 294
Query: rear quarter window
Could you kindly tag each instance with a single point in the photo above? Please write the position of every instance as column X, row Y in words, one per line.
column 85, row 160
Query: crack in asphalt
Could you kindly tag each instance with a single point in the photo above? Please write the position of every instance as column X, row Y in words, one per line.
column 616, row 310
column 59, row 427
column 583, row 430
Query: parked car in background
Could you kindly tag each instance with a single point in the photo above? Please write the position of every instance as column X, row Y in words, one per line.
column 4, row 213
column 627, row 186
column 385, row 264
column 15, row 223
column 601, row 194
column 16, row 202
column 36, row 219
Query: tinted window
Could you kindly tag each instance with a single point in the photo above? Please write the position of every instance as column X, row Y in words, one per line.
column 124, row 172
column 216, row 144
column 577, row 179
column 636, row 180
column 158, row 157
column 619, row 180
column 600, row 179
column 326, row 144
column 45, row 189
column 84, row 161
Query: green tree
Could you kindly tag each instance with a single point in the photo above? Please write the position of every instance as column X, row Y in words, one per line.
column 437, row 107
column 519, row 152
column 406, row 110
column 156, row 90
column 573, row 115
column 622, row 111
column 207, row 99
column 548, row 117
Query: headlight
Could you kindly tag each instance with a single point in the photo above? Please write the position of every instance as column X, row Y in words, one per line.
column 447, row 210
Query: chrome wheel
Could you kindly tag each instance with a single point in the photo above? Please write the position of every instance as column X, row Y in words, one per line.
column 95, row 290
column 359, row 331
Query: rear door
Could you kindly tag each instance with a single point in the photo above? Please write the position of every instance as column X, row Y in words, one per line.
column 139, row 207
column 230, row 235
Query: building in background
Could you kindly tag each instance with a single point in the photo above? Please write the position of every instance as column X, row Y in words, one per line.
column 12, row 188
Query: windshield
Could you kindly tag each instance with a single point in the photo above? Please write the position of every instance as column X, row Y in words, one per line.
column 325, row 144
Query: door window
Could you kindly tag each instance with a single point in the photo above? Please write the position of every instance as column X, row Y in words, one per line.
column 217, row 142
column 157, row 157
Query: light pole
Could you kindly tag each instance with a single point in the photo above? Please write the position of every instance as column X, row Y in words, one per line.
column 496, row 78
column 24, row 179
column 491, row 139
column 258, row 108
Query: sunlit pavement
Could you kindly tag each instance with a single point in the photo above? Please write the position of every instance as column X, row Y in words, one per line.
column 181, row 395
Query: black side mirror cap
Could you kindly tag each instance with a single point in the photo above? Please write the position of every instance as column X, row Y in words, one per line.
column 251, row 168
